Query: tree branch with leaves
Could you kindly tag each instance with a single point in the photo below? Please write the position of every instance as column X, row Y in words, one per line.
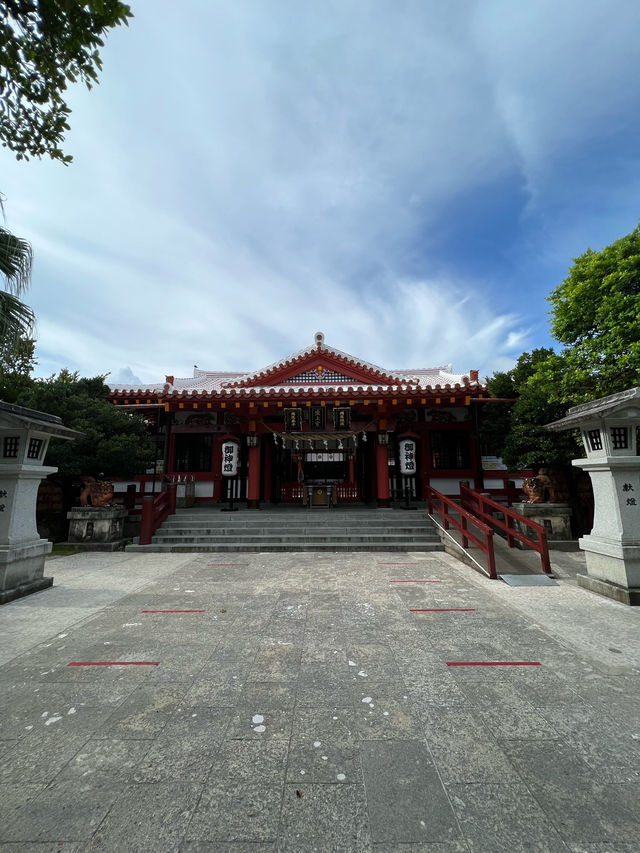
column 44, row 46
column 16, row 319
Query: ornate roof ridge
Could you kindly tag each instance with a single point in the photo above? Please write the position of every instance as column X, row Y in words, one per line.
column 271, row 379
column 446, row 368
column 318, row 347
column 197, row 371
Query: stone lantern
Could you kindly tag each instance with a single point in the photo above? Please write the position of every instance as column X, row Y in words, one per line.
column 610, row 429
column 24, row 438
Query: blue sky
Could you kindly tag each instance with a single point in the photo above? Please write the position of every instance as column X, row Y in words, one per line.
column 410, row 178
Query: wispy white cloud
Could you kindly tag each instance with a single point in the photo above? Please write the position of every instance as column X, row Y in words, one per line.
column 562, row 76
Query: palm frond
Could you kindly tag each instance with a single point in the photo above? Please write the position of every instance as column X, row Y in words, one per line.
column 16, row 257
column 16, row 319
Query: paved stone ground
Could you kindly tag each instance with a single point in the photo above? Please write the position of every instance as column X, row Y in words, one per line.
column 308, row 709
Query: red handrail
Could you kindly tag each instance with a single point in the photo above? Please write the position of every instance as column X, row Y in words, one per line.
column 154, row 511
column 484, row 507
column 444, row 506
column 509, row 493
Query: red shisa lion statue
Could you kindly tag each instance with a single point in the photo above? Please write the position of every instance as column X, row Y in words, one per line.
column 544, row 488
column 96, row 492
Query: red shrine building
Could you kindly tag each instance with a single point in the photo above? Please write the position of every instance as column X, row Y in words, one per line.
column 319, row 427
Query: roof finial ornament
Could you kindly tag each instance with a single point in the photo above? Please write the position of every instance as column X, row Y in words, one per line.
column 319, row 337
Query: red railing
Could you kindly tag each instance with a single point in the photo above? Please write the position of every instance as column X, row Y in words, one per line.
column 134, row 495
column 154, row 512
column 448, row 509
column 484, row 508
column 344, row 493
column 347, row 493
column 292, row 493
column 507, row 492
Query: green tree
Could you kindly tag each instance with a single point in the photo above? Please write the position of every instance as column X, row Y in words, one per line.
column 498, row 419
column 115, row 441
column 44, row 46
column 16, row 318
column 540, row 401
column 495, row 418
column 596, row 315
column 17, row 362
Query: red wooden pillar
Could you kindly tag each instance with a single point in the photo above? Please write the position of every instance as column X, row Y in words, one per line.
column 425, row 462
column 216, row 456
column 253, row 485
column 171, row 454
column 476, row 461
column 382, row 471
column 268, row 485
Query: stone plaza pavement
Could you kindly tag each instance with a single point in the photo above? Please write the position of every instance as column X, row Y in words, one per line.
column 298, row 704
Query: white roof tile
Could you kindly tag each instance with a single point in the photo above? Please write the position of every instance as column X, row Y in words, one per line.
column 214, row 380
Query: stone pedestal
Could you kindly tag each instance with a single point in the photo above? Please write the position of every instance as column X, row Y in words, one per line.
column 22, row 569
column 554, row 517
column 24, row 437
column 610, row 429
column 97, row 528
column 612, row 549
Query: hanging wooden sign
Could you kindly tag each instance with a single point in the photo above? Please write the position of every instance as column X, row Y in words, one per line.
column 342, row 419
column 317, row 417
column 293, row 420
column 229, row 458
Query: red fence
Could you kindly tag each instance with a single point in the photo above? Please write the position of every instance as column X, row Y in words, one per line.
column 154, row 512
column 485, row 509
column 453, row 515
column 292, row 493
column 501, row 485
column 348, row 493
column 344, row 493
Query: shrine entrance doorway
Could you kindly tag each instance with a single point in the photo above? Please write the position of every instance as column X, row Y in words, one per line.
column 327, row 474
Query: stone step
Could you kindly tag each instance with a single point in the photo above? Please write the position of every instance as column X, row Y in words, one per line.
column 241, row 512
column 290, row 547
column 354, row 529
column 302, row 531
column 231, row 521
column 286, row 538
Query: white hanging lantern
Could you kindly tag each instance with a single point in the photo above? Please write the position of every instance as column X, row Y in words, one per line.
column 407, row 450
column 230, row 458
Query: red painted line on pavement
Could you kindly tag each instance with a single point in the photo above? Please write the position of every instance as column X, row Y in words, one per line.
column 173, row 611
column 494, row 663
column 114, row 663
column 443, row 610
column 415, row 581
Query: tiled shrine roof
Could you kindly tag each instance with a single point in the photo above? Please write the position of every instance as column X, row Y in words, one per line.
column 624, row 404
column 312, row 370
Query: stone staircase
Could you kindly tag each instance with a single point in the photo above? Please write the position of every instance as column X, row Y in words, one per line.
column 294, row 529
